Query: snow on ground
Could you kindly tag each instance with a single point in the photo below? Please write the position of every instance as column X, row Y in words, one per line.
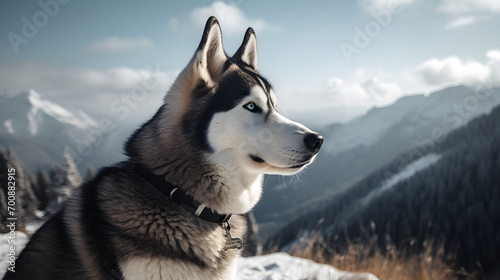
column 281, row 266
column 277, row 266
column 34, row 225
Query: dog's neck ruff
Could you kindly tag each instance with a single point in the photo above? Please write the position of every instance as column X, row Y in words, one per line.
column 178, row 196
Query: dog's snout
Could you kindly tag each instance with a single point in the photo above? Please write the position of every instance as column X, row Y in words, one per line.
column 313, row 142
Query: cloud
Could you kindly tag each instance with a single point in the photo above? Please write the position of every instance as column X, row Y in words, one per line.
column 460, row 22
column 380, row 92
column 494, row 65
column 461, row 7
column 454, row 70
column 366, row 88
column 340, row 99
column 117, row 44
column 90, row 89
column 375, row 6
column 230, row 17
column 466, row 12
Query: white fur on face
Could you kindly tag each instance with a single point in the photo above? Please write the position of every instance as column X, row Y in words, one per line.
column 275, row 139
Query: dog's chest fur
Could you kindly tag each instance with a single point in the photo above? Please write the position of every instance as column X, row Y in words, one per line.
column 186, row 247
column 158, row 268
column 153, row 237
column 195, row 252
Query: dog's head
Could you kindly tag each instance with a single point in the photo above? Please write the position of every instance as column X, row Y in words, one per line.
column 228, row 111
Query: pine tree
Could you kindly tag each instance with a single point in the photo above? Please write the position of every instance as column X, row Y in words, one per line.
column 56, row 175
column 73, row 177
column 64, row 181
column 41, row 191
column 3, row 211
column 26, row 201
column 29, row 201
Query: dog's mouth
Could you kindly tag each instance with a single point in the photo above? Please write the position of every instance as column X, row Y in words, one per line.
column 300, row 165
column 257, row 159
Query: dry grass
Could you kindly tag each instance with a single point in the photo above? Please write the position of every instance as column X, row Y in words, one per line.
column 430, row 264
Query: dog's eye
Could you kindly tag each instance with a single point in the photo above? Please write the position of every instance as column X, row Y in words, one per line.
column 250, row 106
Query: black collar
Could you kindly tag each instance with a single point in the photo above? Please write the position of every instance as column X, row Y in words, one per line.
column 178, row 196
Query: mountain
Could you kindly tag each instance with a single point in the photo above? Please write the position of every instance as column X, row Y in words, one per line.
column 355, row 149
column 448, row 194
column 29, row 114
column 39, row 130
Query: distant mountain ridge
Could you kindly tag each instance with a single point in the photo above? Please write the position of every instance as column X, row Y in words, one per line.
column 448, row 108
column 355, row 149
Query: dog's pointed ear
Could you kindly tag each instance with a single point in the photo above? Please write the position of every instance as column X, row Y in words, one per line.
column 210, row 57
column 247, row 53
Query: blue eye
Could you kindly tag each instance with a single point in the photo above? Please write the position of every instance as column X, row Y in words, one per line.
column 250, row 106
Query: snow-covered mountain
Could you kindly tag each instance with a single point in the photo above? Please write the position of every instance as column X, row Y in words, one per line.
column 415, row 117
column 28, row 114
column 38, row 130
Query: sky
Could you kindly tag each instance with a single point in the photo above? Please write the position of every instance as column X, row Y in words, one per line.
column 328, row 61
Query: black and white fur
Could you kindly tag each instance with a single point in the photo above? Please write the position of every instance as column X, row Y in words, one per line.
column 214, row 137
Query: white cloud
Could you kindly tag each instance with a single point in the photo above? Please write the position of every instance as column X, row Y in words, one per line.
column 232, row 18
column 460, row 22
column 454, row 70
column 340, row 99
column 494, row 65
column 380, row 92
column 117, row 44
column 466, row 12
column 92, row 90
column 334, row 82
column 461, row 7
column 493, row 55
column 364, row 89
column 375, row 6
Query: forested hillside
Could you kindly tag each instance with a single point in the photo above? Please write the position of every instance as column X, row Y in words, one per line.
column 34, row 196
column 454, row 201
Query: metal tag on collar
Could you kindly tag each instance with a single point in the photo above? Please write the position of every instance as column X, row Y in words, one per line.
column 232, row 243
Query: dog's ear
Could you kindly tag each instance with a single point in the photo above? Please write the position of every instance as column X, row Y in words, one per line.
column 247, row 53
column 210, row 58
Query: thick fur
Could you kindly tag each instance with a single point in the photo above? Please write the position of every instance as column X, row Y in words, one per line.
column 215, row 136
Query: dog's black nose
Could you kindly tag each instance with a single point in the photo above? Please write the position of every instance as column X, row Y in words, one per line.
column 313, row 142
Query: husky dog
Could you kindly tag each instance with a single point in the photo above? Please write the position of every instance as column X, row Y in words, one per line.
column 173, row 210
